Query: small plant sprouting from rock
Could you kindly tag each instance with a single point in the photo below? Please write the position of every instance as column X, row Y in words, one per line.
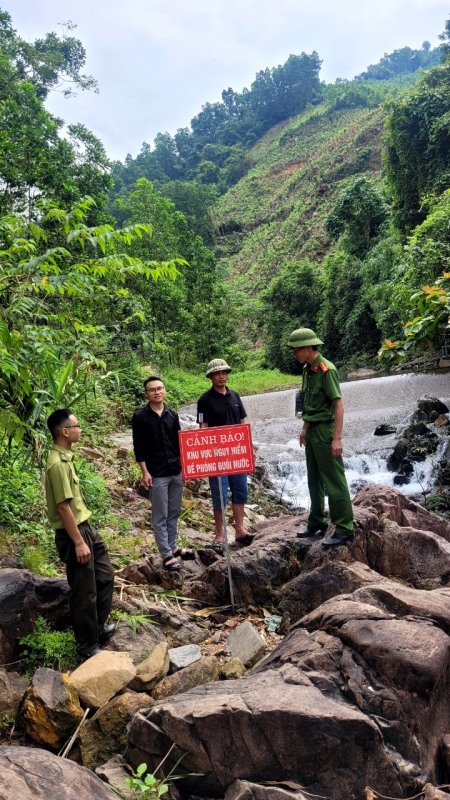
column 148, row 786
column 133, row 619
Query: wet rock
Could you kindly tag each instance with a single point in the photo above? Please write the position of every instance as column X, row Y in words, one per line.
column 405, row 472
column 443, row 473
column 246, row 644
column 183, row 656
column 12, row 689
column 384, row 430
column 102, row 676
column 104, row 735
column 204, row 671
column 398, row 455
column 35, row 774
column 50, row 710
column 150, row 671
column 430, row 405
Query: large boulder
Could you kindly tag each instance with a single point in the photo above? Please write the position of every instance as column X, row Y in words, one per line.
column 50, row 710
column 395, row 537
column 102, row 676
column 35, row 774
column 23, row 597
column 356, row 694
column 358, row 691
column 104, row 735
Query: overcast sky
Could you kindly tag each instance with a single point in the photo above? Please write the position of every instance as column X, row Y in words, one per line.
column 158, row 61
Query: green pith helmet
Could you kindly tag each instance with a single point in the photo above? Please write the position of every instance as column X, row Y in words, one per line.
column 303, row 337
column 217, row 365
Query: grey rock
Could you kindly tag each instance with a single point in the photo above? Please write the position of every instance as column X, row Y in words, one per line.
column 115, row 772
column 284, row 790
column 204, row 671
column 30, row 773
column 12, row 689
column 246, row 644
column 183, row 656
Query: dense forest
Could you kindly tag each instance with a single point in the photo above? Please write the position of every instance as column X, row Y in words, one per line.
column 291, row 202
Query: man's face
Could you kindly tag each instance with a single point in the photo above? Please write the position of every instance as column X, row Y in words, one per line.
column 219, row 379
column 302, row 354
column 155, row 391
column 71, row 430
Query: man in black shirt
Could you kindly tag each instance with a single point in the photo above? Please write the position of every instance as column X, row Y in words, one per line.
column 216, row 407
column 157, row 451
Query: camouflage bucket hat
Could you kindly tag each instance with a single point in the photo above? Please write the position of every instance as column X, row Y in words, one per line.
column 217, row 365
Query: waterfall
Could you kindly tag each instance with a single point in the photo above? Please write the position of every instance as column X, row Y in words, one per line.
column 368, row 403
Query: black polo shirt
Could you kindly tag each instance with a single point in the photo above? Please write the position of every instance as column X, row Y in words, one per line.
column 155, row 440
column 216, row 408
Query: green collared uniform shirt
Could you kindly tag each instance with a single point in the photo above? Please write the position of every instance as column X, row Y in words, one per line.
column 320, row 388
column 62, row 483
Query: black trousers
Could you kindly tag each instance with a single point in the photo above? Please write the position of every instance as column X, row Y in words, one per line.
column 91, row 585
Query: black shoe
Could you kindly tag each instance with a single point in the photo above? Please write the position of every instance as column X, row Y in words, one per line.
column 337, row 539
column 83, row 655
column 106, row 632
column 309, row 531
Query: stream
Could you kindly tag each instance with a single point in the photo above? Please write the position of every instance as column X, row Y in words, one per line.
column 368, row 403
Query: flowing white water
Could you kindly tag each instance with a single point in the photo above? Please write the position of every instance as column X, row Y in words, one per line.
column 368, row 403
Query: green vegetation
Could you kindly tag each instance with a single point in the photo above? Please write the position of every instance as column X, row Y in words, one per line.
column 133, row 619
column 46, row 648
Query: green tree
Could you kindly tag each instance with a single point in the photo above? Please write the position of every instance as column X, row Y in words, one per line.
column 357, row 216
column 292, row 300
column 418, row 147
column 52, row 275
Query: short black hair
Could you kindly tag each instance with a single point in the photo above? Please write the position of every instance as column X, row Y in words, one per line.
column 152, row 378
column 57, row 419
column 315, row 347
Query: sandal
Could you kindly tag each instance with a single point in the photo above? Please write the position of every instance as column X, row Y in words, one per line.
column 186, row 553
column 171, row 564
column 218, row 547
column 245, row 540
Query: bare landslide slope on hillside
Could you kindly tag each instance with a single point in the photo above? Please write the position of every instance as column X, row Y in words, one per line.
column 277, row 210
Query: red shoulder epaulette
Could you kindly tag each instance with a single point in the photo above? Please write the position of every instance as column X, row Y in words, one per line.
column 323, row 366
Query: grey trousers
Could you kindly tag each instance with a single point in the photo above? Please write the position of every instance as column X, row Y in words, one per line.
column 165, row 496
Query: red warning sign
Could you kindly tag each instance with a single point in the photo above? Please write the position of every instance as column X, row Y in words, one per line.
column 208, row 452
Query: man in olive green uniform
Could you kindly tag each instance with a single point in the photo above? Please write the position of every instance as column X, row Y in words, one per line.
column 323, row 419
column 89, row 571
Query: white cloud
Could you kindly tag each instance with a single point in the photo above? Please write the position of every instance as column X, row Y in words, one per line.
column 159, row 61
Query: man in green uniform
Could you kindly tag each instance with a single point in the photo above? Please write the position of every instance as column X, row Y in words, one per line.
column 323, row 420
column 89, row 571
